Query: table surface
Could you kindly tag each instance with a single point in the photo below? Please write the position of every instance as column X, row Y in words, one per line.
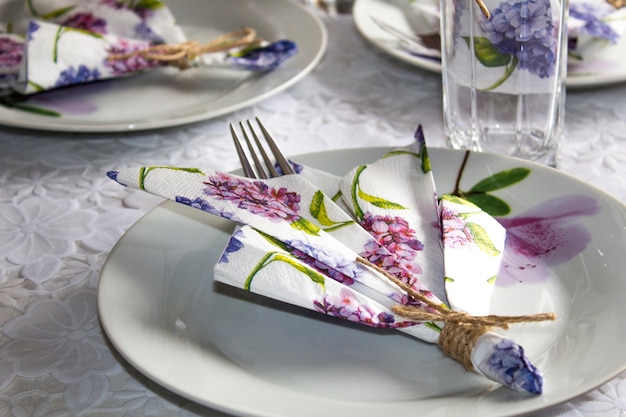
column 60, row 216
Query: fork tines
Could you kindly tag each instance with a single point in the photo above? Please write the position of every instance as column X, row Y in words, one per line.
column 259, row 171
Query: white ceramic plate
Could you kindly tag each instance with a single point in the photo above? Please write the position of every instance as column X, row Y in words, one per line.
column 169, row 97
column 609, row 67
column 247, row 355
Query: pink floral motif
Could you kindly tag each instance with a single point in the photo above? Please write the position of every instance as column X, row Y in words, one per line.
column 255, row 197
column 322, row 267
column 11, row 52
column 86, row 21
column 544, row 236
column 454, row 229
column 395, row 235
column 347, row 307
column 133, row 63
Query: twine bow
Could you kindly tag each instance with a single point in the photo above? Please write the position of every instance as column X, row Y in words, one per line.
column 461, row 330
column 181, row 54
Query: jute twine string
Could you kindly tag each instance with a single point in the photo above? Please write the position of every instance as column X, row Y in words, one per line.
column 483, row 8
column 181, row 54
column 618, row 4
column 461, row 330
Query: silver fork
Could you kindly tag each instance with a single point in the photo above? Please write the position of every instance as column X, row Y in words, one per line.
column 259, row 171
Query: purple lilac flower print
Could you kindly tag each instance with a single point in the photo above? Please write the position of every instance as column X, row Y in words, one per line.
column 525, row 30
column 113, row 175
column 324, row 269
column 510, row 365
column 234, row 245
column 201, row 204
column 544, row 236
column 256, row 197
column 592, row 14
column 346, row 306
column 395, row 235
column 131, row 64
column 454, row 229
column 145, row 32
column 86, row 21
column 325, row 261
column 419, row 137
column 266, row 58
column 297, row 168
column 80, row 75
column 32, row 28
column 11, row 52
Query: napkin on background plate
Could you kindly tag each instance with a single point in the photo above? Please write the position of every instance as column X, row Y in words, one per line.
column 592, row 25
column 151, row 21
column 67, row 42
column 299, row 247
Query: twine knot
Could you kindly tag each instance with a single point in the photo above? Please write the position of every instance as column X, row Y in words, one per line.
column 618, row 4
column 182, row 54
column 460, row 330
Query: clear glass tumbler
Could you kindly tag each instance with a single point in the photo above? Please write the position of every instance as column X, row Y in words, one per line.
column 504, row 67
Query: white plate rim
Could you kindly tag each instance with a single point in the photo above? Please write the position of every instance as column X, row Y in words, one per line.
column 303, row 63
column 380, row 39
column 105, row 306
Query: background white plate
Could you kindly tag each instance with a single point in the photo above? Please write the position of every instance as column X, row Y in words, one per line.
column 609, row 67
column 169, row 97
column 248, row 355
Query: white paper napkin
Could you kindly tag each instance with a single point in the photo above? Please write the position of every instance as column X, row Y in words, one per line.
column 592, row 26
column 473, row 249
column 151, row 21
column 68, row 43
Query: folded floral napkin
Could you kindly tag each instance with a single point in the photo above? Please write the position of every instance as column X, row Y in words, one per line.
column 395, row 200
column 296, row 245
column 68, row 42
column 408, row 217
column 151, row 21
column 592, row 24
column 473, row 247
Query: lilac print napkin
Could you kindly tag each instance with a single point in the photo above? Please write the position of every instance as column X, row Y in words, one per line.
column 592, row 25
column 66, row 42
column 296, row 245
column 57, row 56
column 404, row 217
column 473, row 249
column 151, row 21
column 408, row 217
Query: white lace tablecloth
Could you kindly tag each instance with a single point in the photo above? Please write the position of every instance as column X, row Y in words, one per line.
column 60, row 216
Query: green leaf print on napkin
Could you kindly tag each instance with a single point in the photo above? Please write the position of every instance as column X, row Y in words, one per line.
column 270, row 257
column 318, row 211
column 376, row 201
column 474, row 231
